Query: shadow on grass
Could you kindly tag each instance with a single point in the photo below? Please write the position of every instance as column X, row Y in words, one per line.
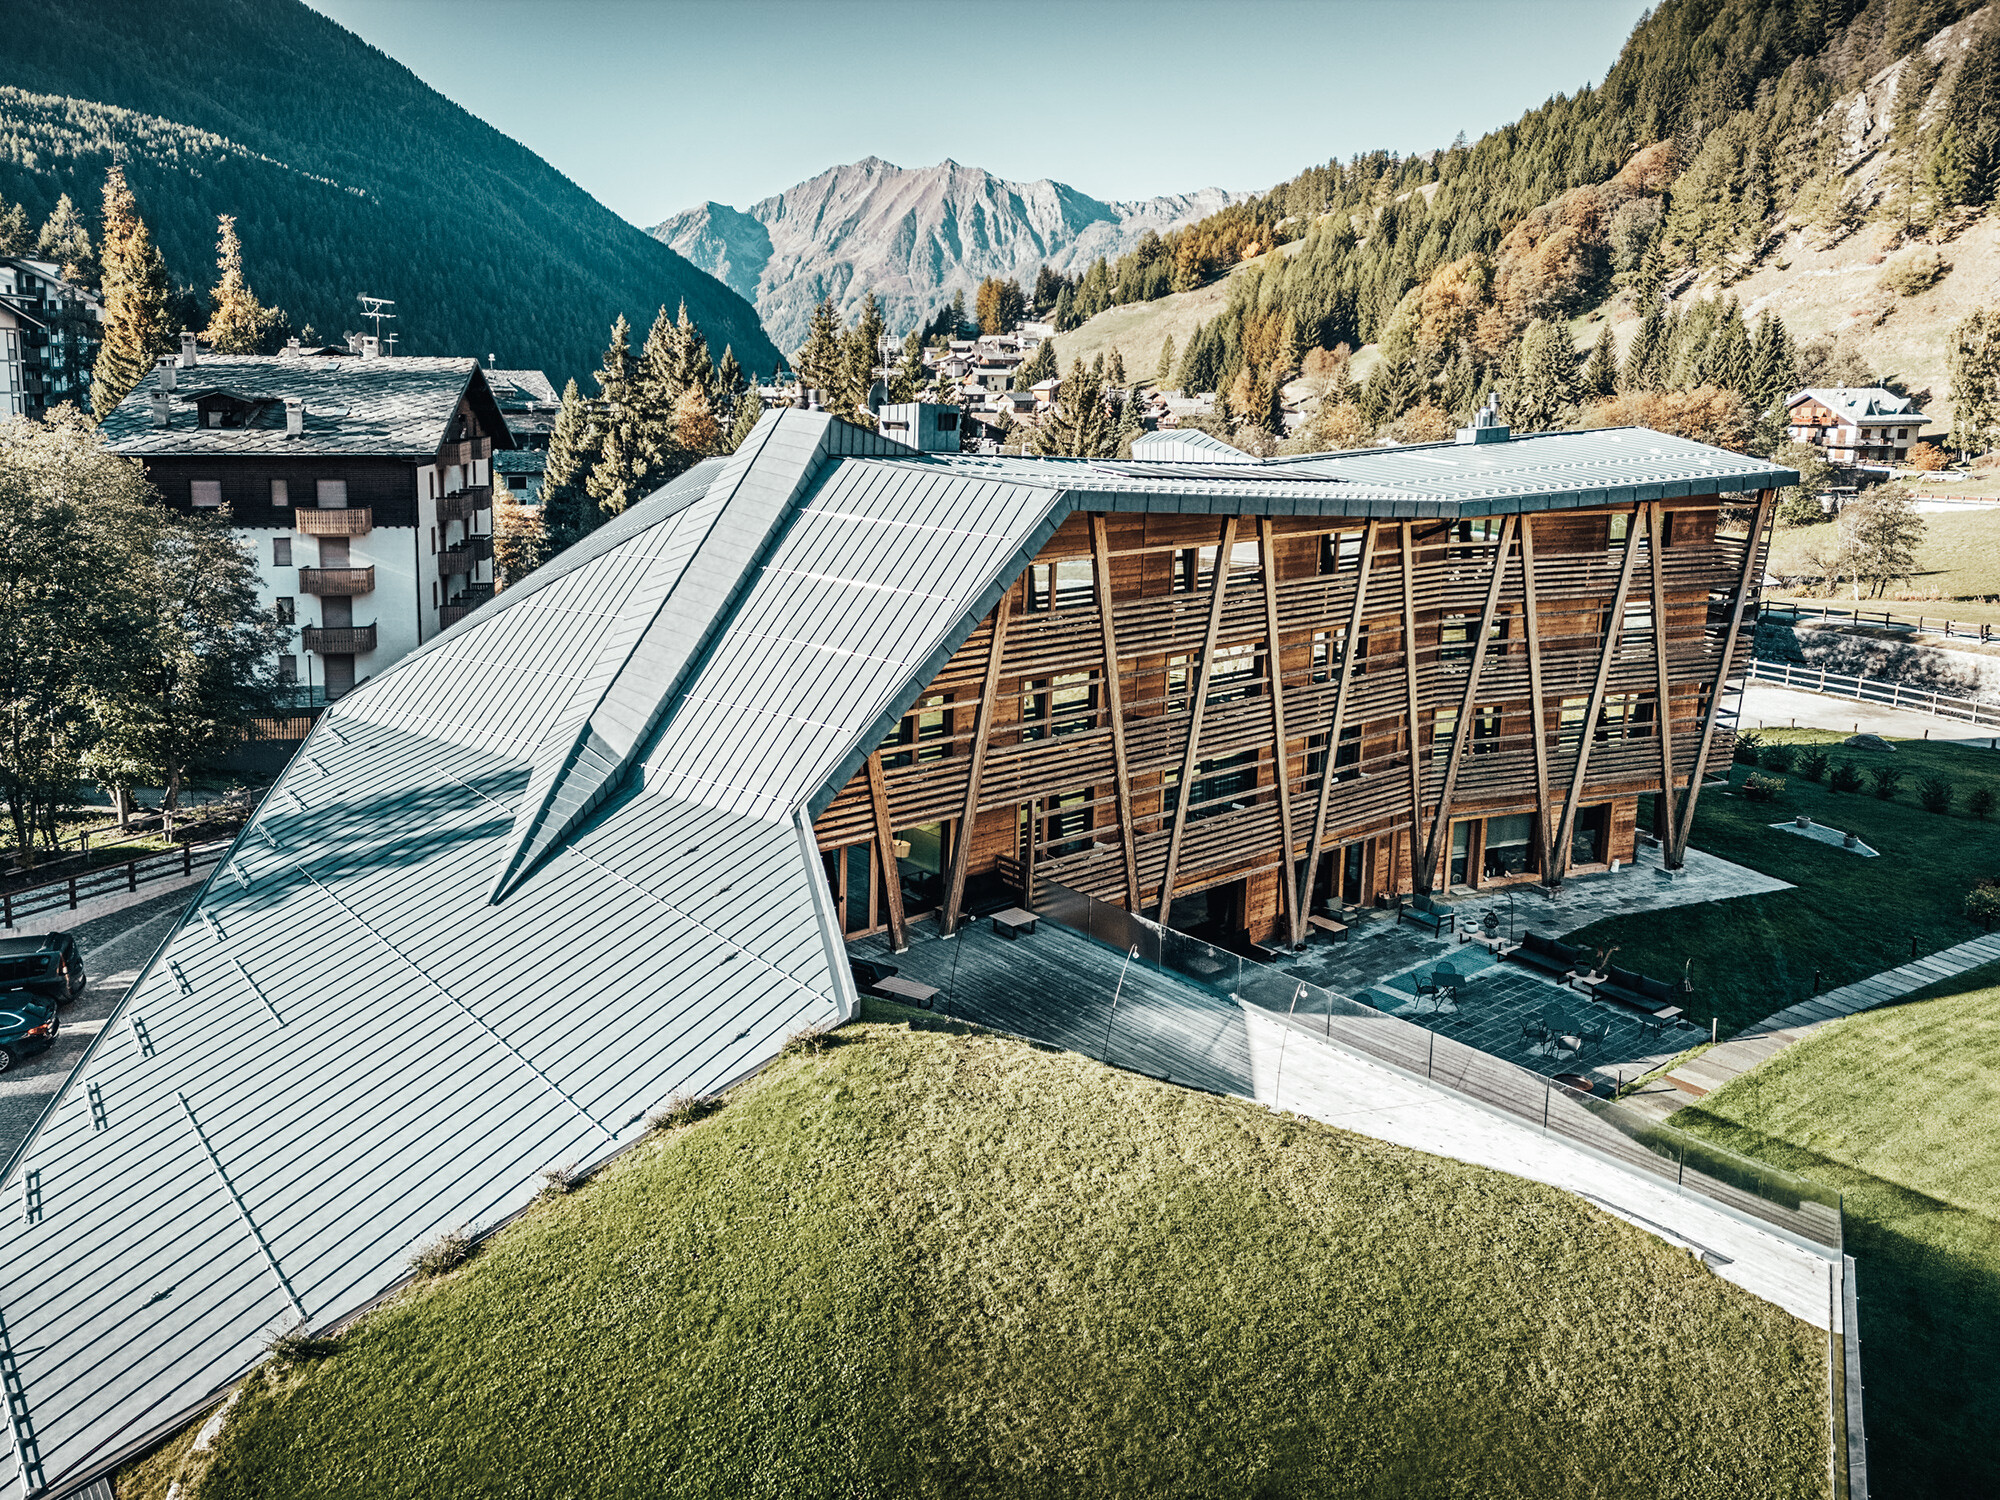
column 1929, row 1298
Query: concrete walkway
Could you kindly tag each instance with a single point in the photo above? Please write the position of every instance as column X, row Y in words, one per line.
column 1712, row 1069
column 1294, row 1070
column 1766, row 707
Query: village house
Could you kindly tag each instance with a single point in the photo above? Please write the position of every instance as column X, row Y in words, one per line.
column 1854, row 426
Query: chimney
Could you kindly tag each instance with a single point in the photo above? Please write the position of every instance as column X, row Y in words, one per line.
column 291, row 348
column 371, row 346
column 1486, row 425
column 190, row 355
column 165, row 369
column 295, row 417
column 162, row 409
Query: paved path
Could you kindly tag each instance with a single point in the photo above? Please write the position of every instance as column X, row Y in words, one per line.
column 1770, row 707
column 1712, row 1069
column 1297, row 1071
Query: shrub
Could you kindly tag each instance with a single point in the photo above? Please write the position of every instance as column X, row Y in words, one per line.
column 1799, row 508
column 559, row 1182
column 1846, row 777
column 684, row 1109
column 447, row 1252
column 1887, row 779
column 1764, row 788
column 1749, row 746
column 298, row 1344
column 1779, row 757
column 1914, row 273
column 1812, row 761
column 810, row 1042
column 1980, row 803
column 1982, row 903
column 1936, row 793
column 1928, row 457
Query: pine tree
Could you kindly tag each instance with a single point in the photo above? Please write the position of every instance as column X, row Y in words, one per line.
column 135, row 299
column 1079, row 427
column 1774, row 374
column 14, row 236
column 1600, row 374
column 1647, row 351
column 1114, row 369
column 728, row 373
column 819, row 359
column 1975, row 381
column 749, row 410
column 1544, row 394
column 567, row 514
column 1164, row 372
column 239, row 324
column 1040, row 366
column 614, row 482
column 1129, row 426
column 65, row 240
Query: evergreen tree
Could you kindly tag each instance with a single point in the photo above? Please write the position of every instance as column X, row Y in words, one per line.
column 1114, row 369
column 1164, row 371
column 135, row 299
column 239, row 324
column 1040, row 366
column 1728, row 361
column 749, row 410
column 14, row 236
column 728, row 373
column 65, row 240
column 615, row 480
column 820, row 359
column 1545, row 393
column 1774, row 375
column 1129, row 427
column 1600, row 374
column 567, row 515
column 1647, row 352
column 1975, row 381
column 1080, row 426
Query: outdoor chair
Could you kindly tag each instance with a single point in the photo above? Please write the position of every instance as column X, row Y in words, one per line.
column 1592, row 1036
column 1440, row 987
column 1536, row 1033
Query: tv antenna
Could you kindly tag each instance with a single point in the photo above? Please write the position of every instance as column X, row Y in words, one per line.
column 378, row 309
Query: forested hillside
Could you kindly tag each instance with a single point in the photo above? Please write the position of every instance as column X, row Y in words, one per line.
column 1730, row 139
column 346, row 174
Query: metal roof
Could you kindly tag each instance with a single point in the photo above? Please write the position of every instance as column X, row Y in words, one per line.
column 550, row 870
column 373, row 408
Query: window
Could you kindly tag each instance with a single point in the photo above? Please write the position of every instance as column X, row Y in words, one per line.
column 1058, row 706
column 434, row 593
column 1337, row 549
column 288, row 610
column 205, row 493
column 1444, row 726
column 1621, row 526
column 288, row 669
column 1193, row 567
column 930, row 720
column 1611, row 718
column 1486, row 729
column 1636, row 638
column 1570, row 733
column 281, row 493
column 281, row 552
column 1234, row 674
column 434, row 540
column 1064, row 584
column 1220, row 781
column 1455, row 638
column 1177, row 684
column 1066, row 824
column 947, row 421
column 332, row 494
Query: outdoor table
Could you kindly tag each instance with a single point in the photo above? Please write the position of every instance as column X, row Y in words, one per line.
column 1333, row 929
column 1014, row 922
column 907, row 989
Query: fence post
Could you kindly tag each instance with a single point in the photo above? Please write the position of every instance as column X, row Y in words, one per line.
column 1548, row 1087
column 72, row 893
column 8, row 903
column 187, row 859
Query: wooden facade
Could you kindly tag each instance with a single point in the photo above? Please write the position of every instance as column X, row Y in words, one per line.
column 1488, row 692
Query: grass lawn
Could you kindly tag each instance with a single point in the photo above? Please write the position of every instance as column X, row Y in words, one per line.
column 932, row 1262
column 1957, row 562
column 1847, row 917
column 1896, row 1108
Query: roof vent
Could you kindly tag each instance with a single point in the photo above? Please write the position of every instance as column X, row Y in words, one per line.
column 1486, row 424
column 371, row 346
column 190, row 354
column 295, row 417
column 163, row 415
column 165, row 368
column 291, row 348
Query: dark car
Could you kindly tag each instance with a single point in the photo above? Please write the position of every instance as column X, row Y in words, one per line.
column 47, row 966
column 28, row 1024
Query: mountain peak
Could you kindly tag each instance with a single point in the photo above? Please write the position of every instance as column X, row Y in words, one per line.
column 913, row 236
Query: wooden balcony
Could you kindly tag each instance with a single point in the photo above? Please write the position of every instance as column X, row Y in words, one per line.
column 463, row 604
column 465, row 452
column 462, row 557
column 356, row 520
column 337, row 640
column 463, row 505
column 336, row 581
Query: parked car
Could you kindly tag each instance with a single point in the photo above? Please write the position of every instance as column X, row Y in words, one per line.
column 47, row 966
column 27, row 1025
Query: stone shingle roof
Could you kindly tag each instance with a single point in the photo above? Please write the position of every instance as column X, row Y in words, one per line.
column 1863, row 405
column 375, row 408
column 528, row 386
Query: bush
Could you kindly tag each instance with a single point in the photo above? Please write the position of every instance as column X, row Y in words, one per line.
column 1887, row 779
column 1812, row 761
column 1982, row 904
column 1779, row 757
column 559, row 1182
column 1980, row 803
column 447, row 1252
column 1749, row 746
column 298, row 1344
column 809, row 1043
column 1928, row 457
column 1764, row 788
column 1799, row 508
column 1936, row 793
column 684, row 1109
column 1914, row 273
column 1846, row 777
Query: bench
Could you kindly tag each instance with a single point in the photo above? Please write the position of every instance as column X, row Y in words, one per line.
column 1335, row 930
column 1424, row 912
column 1537, row 951
column 907, row 990
column 1631, row 989
column 1014, row 923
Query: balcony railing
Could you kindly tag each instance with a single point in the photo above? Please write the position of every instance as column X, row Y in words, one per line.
column 336, row 581
column 463, row 604
column 463, row 505
column 463, row 556
column 462, row 453
column 357, row 520
column 339, row 640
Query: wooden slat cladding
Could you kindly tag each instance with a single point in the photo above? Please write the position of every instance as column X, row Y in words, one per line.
column 1207, row 778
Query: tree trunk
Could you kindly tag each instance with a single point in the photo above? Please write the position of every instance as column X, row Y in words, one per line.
column 170, row 801
column 121, row 804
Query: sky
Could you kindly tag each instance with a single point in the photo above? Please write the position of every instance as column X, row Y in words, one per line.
column 654, row 106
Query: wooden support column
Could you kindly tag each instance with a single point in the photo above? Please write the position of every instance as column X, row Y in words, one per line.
column 1420, row 878
column 1218, row 591
column 1678, row 835
column 1350, row 654
column 1280, row 752
column 1613, row 629
column 1462, row 730
column 885, row 855
column 982, row 731
column 1114, row 703
column 1663, row 714
column 1532, row 621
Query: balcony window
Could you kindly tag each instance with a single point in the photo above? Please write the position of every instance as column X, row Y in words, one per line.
column 331, row 493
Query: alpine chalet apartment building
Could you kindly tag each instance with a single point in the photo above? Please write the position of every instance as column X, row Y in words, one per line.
column 363, row 485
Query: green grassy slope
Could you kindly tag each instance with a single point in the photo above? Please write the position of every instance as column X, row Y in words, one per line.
column 950, row 1264
column 1138, row 329
column 1896, row 1108
column 1959, row 559
column 1847, row 916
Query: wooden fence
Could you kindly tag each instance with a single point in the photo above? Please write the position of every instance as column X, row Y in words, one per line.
column 1786, row 612
column 88, row 885
column 1881, row 690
